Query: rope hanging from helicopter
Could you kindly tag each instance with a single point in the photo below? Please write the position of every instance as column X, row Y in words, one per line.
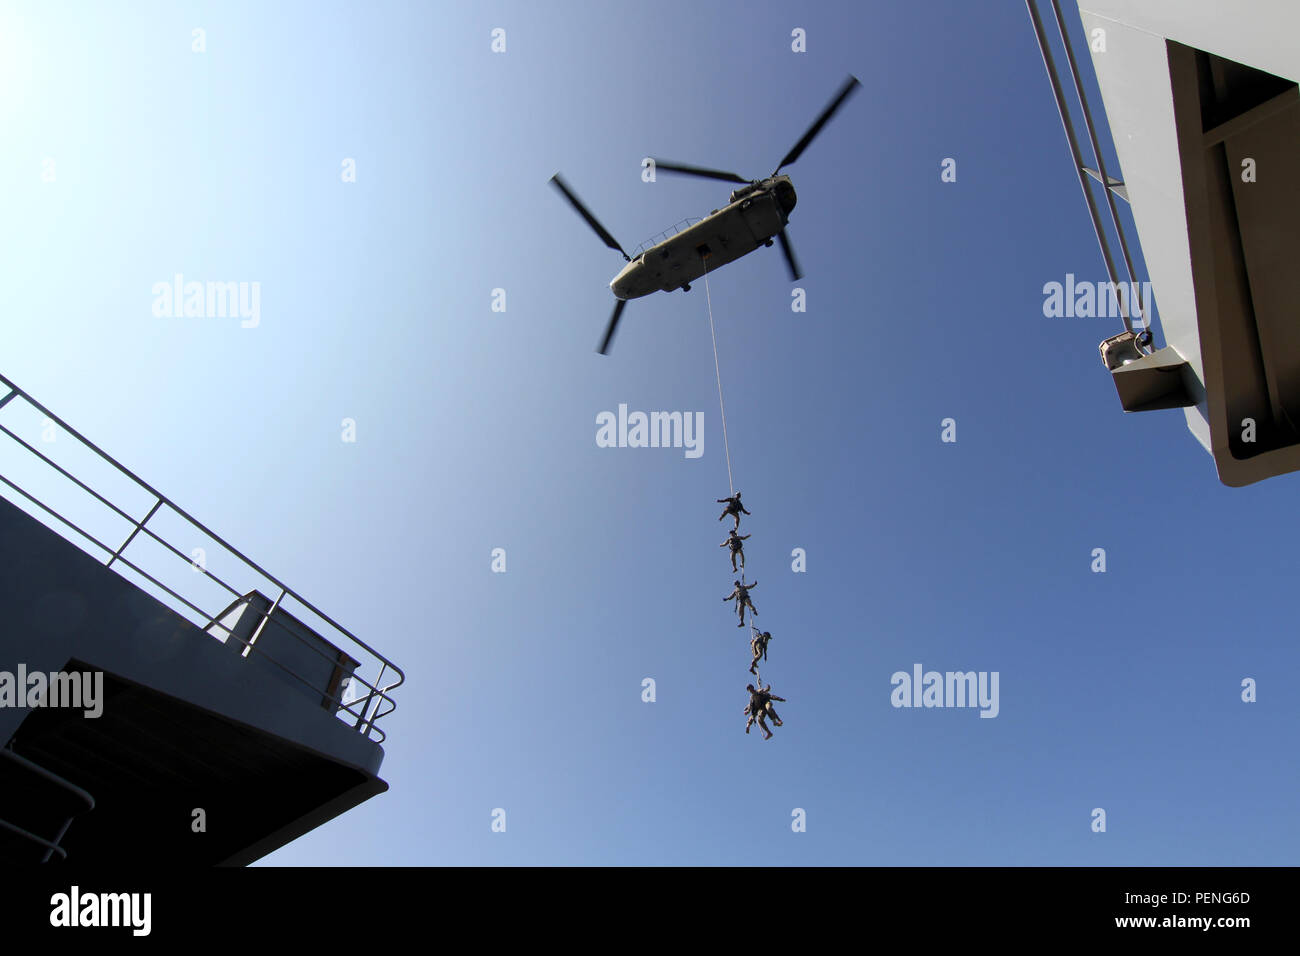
column 721, row 407
column 726, row 445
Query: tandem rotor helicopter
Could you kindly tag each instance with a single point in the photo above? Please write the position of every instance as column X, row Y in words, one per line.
column 754, row 214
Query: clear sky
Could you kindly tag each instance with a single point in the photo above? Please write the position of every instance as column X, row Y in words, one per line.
column 476, row 429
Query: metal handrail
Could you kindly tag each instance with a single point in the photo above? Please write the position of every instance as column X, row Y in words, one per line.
column 1083, row 171
column 116, row 556
column 49, row 776
column 28, row 835
column 51, row 846
column 376, row 692
column 138, row 526
column 265, row 614
column 336, row 699
column 667, row 233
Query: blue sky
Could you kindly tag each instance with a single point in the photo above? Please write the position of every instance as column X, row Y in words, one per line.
column 476, row 429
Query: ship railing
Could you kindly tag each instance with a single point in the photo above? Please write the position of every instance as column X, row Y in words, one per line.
column 1111, row 187
column 78, row 795
column 199, row 586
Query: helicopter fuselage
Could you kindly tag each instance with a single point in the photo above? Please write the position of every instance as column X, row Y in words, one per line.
column 751, row 218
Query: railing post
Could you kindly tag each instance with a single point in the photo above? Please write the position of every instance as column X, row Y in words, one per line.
column 131, row 537
column 362, row 725
column 261, row 624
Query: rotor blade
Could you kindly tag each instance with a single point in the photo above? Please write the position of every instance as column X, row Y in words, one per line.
column 791, row 261
column 849, row 86
column 613, row 324
column 700, row 171
column 558, row 182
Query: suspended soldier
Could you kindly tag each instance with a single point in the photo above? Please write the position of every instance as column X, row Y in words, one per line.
column 741, row 594
column 760, row 707
column 758, row 645
column 736, row 543
column 734, row 508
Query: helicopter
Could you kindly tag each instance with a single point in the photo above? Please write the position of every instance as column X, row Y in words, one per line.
column 755, row 214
